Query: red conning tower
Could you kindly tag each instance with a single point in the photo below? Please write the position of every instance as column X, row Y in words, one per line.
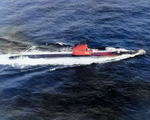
column 81, row 50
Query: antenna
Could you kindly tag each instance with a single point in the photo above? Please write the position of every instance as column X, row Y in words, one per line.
column 85, row 41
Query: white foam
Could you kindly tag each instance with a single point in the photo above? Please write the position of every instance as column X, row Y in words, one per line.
column 111, row 49
column 60, row 61
column 25, row 61
column 61, row 43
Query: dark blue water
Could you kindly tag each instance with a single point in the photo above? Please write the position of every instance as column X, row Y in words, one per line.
column 117, row 90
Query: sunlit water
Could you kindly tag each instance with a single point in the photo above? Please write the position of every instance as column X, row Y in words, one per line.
column 74, row 88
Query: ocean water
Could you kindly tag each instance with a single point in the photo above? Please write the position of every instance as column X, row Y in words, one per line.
column 41, row 90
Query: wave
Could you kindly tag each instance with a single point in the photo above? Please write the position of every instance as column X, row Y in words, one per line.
column 24, row 61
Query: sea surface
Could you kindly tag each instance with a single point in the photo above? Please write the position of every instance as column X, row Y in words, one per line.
column 40, row 90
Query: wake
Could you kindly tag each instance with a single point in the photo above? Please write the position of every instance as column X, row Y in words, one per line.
column 68, row 61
